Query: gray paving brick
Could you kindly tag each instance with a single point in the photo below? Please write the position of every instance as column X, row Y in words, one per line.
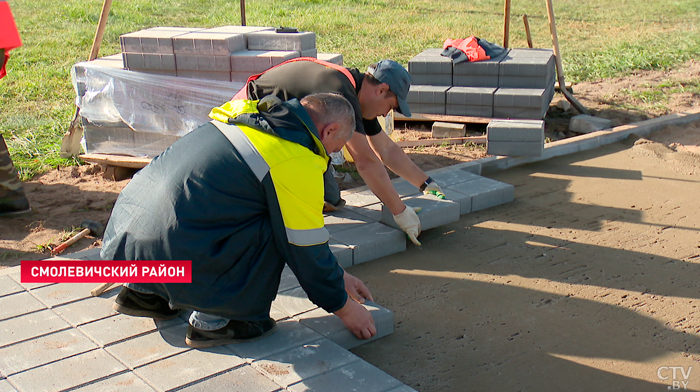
column 62, row 293
column 121, row 326
column 342, row 253
column 446, row 129
column 372, row 211
column 434, row 212
column 30, row 326
column 9, row 286
column 208, row 75
column 454, row 176
column 288, row 280
column 358, row 376
column 476, row 96
column 122, row 382
column 242, row 379
column 530, row 52
column 426, row 94
column 427, row 108
column 469, row 110
column 17, row 278
column 289, row 334
column 528, row 149
column 240, row 77
column 334, row 58
column 372, row 241
column 113, row 61
column 475, row 80
column 243, row 30
column 190, row 366
column 156, row 72
column 5, row 386
column 404, row 188
column 208, row 43
column 515, row 131
column 17, row 304
column 69, row 372
column 464, row 201
column 471, row 166
column 269, row 40
column 153, row 40
column 486, row 192
column 309, row 53
column 134, row 60
column 430, row 61
column 519, row 97
column 489, row 67
column 432, row 79
column 89, row 309
column 332, row 327
column 360, row 199
column 164, row 62
column 256, row 61
column 304, row 362
column 344, row 219
column 527, row 66
column 42, row 350
column 200, row 62
column 525, row 81
column 293, row 301
column 151, row 347
column 277, row 314
column 517, row 112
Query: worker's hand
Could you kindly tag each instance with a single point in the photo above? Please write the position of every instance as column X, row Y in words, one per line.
column 356, row 289
column 357, row 319
column 434, row 189
column 409, row 222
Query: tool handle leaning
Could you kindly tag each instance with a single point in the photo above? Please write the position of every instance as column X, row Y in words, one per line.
column 70, row 242
column 101, row 289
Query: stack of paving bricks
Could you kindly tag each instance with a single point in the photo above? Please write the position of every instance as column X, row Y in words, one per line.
column 517, row 84
column 227, row 53
column 515, row 137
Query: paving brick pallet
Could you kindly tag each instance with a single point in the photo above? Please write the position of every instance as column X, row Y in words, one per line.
column 517, row 84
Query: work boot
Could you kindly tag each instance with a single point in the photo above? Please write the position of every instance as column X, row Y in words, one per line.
column 235, row 331
column 137, row 304
column 328, row 207
column 13, row 201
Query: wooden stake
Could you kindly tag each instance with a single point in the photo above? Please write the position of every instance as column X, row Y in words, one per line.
column 506, row 24
column 557, row 60
column 527, row 31
column 242, row 12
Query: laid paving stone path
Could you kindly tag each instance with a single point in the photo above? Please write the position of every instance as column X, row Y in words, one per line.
column 57, row 337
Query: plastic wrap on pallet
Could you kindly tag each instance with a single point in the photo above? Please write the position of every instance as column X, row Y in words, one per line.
column 151, row 103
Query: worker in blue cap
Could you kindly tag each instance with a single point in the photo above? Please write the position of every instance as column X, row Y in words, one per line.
column 383, row 87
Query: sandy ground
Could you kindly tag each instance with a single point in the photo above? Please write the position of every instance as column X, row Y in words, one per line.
column 588, row 281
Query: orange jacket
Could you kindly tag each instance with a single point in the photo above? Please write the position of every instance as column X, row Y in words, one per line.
column 9, row 36
column 470, row 47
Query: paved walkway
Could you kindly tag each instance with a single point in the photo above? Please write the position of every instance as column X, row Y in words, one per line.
column 56, row 337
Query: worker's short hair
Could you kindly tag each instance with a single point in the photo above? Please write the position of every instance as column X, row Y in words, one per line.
column 369, row 78
column 326, row 108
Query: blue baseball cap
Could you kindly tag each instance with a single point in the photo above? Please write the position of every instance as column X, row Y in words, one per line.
column 398, row 79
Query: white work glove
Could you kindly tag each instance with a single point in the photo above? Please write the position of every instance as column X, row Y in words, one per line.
column 409, row 222
column 432, row 188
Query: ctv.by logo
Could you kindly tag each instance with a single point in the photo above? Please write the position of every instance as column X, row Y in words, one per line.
column 675, row 373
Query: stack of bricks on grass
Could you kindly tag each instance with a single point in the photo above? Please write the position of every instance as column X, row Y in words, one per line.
column 515, row 137
column 227, row 53
column 517, row 84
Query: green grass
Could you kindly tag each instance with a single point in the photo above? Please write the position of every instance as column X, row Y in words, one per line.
column 598, row 39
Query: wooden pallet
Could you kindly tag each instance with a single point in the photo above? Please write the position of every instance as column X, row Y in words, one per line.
column 116, row 160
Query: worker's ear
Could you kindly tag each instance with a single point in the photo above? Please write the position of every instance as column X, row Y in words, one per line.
column 382, row 89
column 329, row 131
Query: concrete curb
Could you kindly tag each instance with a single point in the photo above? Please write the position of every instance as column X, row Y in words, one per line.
column 585, row 142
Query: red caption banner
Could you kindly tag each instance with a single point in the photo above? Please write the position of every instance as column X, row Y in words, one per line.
column 104, row 271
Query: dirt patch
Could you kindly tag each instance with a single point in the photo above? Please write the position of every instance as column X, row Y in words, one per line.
column 61, row 199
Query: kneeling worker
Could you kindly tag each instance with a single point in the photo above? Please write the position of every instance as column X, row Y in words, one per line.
column 240, row 198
